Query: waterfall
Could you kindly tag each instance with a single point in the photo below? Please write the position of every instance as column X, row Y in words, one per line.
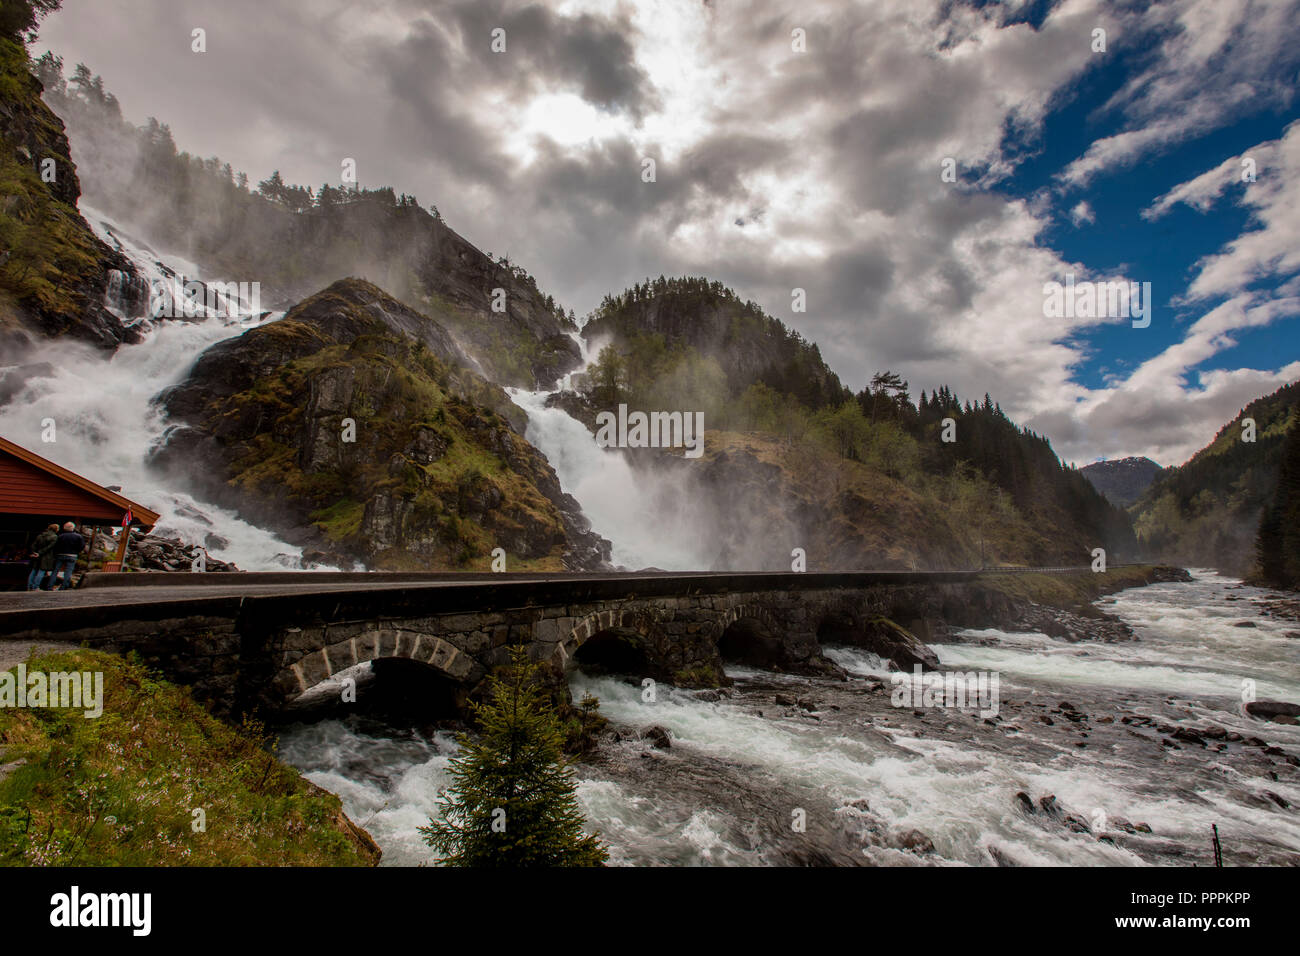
column 99, row 411
column 648, row 515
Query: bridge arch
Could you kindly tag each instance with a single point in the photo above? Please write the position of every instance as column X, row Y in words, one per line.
column 609, row 630
column 378, row 644
column 749, row 633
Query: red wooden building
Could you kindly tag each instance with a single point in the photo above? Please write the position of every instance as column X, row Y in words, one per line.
column 35, row 492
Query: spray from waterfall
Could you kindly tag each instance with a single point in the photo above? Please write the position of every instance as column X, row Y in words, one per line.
column 650, row 515
column 103, row 420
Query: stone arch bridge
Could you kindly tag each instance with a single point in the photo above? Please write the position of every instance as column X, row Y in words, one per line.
column 256, row 642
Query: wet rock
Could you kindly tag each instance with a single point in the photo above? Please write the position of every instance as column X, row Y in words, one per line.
column 1023, row 802
column 658, row 736
column 1272, row 709
column 898, row 645
column 784, row 700
column 1077, row 824
column 1000, row 857
column 913, row 840
column 1049, row 805
column 1245, row 624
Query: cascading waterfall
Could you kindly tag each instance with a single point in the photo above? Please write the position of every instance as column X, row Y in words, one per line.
column 648, row 516
column 103, row 420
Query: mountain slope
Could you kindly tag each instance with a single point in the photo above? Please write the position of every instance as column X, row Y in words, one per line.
column 1121, row 480
column 295, row 241
column 435, row 473
column 1206, row 511
column 54, row 271
column 794, row 459
column 708, row 318
column 1277, row 546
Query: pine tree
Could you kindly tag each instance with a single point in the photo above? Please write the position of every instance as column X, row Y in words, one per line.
column 512, row 801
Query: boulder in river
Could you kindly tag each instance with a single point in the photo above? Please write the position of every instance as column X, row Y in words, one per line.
column 899, row 646
column 913, row 840
column 1272, row 709
column 658, row 737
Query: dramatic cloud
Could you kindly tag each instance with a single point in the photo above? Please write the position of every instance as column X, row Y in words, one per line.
column 1217, row 57
column 799, row 147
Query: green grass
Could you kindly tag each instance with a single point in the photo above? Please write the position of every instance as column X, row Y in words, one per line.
column 1068, row 590
column 120, row 789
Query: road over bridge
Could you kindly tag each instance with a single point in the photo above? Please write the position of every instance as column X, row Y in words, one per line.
column 257, row 641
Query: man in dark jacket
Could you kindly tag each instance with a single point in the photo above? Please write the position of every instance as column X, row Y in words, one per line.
column 42, row 556
column 66, row 550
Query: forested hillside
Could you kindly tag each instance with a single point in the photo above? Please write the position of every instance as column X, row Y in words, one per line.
column 870, row 474
column 1206, row 511
column 1277, row 546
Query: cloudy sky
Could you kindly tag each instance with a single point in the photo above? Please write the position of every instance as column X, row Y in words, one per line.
column 803, row 145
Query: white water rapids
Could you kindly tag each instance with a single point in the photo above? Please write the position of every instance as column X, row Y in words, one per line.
column 723, row 793
column 104, row 423
column 739, row 766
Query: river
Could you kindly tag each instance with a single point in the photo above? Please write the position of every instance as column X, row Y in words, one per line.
column 846, row 778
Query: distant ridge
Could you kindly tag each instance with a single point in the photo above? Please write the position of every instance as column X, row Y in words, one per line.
column 1122, row 480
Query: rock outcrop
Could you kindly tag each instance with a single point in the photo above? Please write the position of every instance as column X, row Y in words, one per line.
column 56, row 275
column 352, row 426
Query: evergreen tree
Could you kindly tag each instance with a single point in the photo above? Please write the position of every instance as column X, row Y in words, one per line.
column 512, row 801
column 19, row 18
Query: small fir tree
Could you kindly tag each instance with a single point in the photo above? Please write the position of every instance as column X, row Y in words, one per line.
column 512, row 800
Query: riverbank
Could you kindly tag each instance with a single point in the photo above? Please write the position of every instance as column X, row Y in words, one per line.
column 154, row 780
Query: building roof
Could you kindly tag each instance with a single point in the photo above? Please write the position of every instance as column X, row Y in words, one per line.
column 36, row 487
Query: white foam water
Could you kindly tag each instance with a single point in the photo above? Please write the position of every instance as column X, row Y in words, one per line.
column 728, row 760
column 646, row 515
column 104, row 423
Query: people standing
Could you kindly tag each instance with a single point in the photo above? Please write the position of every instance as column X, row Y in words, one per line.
column 67, row 548
column 42, row 557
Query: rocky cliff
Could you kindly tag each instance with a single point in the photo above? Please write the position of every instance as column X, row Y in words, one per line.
column 54, row 271
column 353, row 426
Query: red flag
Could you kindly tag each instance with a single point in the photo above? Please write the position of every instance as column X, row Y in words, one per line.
column 127, row 518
